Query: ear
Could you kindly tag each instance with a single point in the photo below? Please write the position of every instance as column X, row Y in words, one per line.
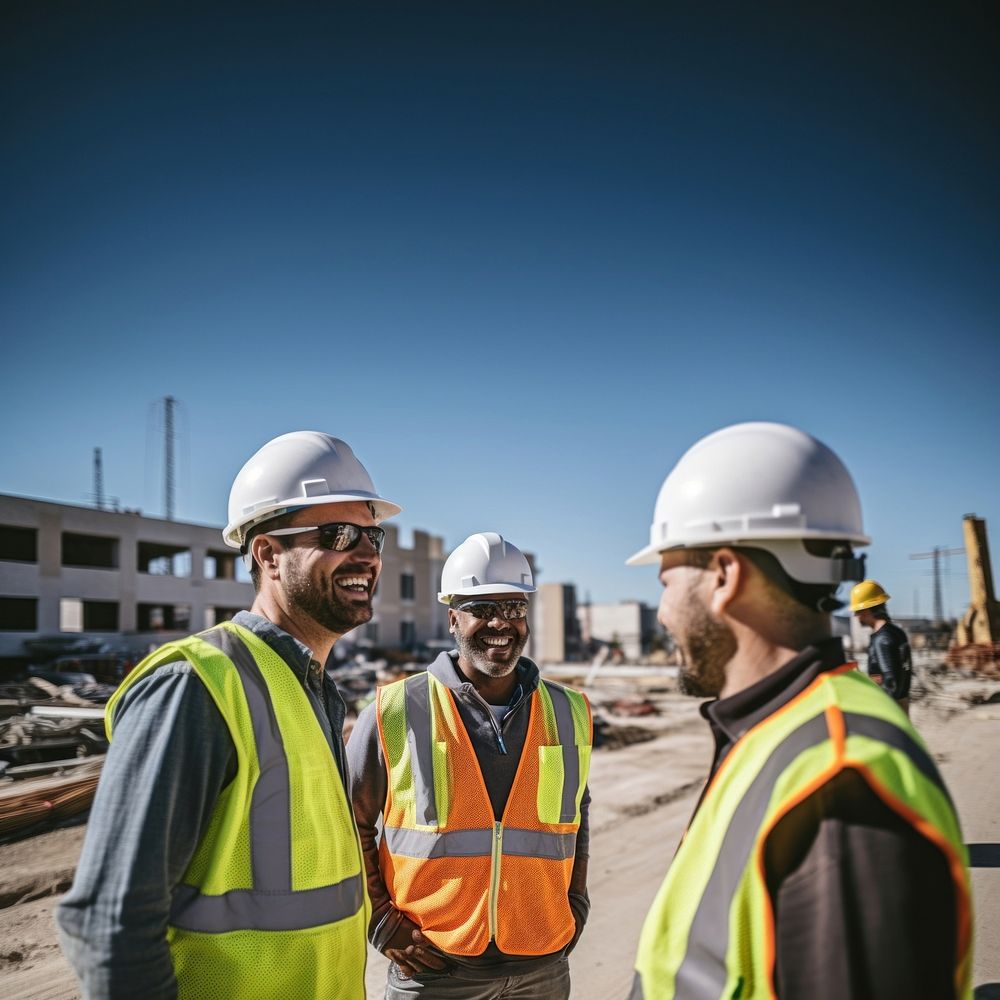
column 452, row 619
column 728, row 572
column 265, row 552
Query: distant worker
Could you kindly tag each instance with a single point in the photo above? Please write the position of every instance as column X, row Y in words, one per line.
column 824, row 859
column 221, row 858
column 478, row 768
column 889, row 662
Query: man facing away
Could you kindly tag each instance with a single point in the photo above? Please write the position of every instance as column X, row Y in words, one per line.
column 478, row 769
column 824, row 859
column 221, row 858
column 889, row 661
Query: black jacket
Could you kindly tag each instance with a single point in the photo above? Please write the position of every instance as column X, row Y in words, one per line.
column 864, row 906
column 889, row 656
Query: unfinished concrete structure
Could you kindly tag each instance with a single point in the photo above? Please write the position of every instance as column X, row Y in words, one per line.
column 978, row 633
column 626, row 626
column 555, row 630
column 125, row 578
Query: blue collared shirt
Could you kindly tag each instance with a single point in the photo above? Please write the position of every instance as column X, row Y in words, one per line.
column 170, row 758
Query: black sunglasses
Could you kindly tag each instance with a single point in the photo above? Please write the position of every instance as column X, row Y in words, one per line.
column 339, row 536
column 511, row 611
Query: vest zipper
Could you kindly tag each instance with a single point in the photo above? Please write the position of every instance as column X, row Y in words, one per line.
column 495, row 877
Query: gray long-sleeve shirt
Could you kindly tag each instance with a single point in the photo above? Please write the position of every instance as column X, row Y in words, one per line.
column 498, row 764
column 170, row 758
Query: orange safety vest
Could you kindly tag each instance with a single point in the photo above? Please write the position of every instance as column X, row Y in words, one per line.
column 459, row 875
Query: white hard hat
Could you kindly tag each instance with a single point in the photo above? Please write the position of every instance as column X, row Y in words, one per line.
column 301, row 469
column 764, row 485
column 485, row 564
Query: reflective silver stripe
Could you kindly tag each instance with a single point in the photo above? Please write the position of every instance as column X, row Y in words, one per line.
column 270, row 810
column 899, row 739
column 570, row 753
column 246, row 909
column 702, row 973
column 539, row 844
column 479, row 843
column 418, row 735
column 426, row 844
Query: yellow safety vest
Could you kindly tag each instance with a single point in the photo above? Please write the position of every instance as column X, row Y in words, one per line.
column 709, row 934
column 459, row 875
column 274, row 901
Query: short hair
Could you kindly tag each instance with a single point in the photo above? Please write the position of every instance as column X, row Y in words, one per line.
column 272, row 524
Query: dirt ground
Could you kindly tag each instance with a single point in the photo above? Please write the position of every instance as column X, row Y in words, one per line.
column 643, row 794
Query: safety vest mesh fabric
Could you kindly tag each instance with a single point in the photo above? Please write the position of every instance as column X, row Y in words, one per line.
column 448, row 865
column 710, row 931
column 274, row 901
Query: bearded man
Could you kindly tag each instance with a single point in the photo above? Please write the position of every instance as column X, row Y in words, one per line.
column 221, row 856
column 478, row 770
column 824, row 859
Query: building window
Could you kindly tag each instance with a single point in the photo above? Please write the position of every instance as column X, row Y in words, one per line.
column 100, row 616
column 158, row 559
column 165, row 617
column 371, row 631
column 216, row 615
column 18, row 614
column 407, row 634
column 220, row 565
column 18, row 544
column 407, row 587
column 89, row 551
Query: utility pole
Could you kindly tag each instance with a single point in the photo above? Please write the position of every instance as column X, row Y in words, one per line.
column 98, row 480
column 168, row 456
column 936, row 553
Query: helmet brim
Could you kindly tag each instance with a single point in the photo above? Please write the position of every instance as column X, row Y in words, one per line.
column 487, row 588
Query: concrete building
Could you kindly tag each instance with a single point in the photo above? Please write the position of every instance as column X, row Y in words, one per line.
column 114, row 575
column 631, row 625
column 407, row 612
column 555, row 630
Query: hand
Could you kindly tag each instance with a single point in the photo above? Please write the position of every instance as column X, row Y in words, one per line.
column 412, row 952
column 877, row 678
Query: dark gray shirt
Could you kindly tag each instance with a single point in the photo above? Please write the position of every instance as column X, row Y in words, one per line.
column 170, row 758
column 864, row 906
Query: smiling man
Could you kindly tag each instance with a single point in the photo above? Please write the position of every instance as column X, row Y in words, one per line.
column 221, row 857
column 478, row 769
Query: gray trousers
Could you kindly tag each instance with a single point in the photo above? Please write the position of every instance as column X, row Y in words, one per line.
column 550, row 983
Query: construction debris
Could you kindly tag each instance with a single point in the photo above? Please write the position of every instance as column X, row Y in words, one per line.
column 52, row 746
column 30, row 804
column 608, row 736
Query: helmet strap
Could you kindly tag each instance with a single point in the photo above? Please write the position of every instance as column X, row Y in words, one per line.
column 821, row 597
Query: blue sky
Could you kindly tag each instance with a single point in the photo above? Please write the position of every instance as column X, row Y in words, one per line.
column 519, row 257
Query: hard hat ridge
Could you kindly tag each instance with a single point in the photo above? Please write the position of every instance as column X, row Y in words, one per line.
column 766, row 485
column 296, row 470
column 485, row 563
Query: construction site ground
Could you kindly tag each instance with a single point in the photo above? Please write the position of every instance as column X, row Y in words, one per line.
column 643, row 792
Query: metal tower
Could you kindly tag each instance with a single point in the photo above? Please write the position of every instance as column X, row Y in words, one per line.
column 168, row 457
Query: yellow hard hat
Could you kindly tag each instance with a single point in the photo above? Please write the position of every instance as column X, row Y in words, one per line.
column 867, row 594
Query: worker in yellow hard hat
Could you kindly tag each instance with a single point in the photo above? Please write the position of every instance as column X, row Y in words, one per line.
column 889, row 661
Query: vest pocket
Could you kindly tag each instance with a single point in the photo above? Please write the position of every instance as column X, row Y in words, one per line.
column 550, row 784
column 442, row 782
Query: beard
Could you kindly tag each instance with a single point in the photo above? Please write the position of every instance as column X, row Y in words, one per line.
column 472, row 653
column 706, row 647
column 318, row 600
